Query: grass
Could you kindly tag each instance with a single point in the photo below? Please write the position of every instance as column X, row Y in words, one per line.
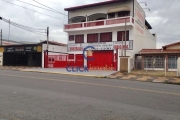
column 154, row 73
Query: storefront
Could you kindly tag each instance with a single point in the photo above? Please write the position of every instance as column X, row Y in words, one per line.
column 22, row 55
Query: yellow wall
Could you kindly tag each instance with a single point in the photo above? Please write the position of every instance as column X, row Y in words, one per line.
column 1, row 49
column 174, row 47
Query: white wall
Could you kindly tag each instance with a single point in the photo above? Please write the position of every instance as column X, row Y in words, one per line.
column 1, row 58
column 54, row 48
column 100, row 9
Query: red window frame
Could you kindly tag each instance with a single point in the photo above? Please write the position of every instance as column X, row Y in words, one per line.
column 106, row 37
column 119, row 35
column 91, row 38
column 71, row 37
column 79, row 39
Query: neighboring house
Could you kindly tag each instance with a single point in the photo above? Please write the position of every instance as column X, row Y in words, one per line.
column 9, row 42
column 102, row 25
column 154, row 59
column 30, row 54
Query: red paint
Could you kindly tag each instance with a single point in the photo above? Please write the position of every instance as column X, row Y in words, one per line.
column 102, row 59
column 91, row 24
column 117, row 21
column 70, row 26
column 61, row 61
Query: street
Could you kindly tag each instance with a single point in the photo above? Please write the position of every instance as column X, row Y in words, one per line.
column 40, row 96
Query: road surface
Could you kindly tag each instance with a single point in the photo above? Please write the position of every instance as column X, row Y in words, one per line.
column 39, row 96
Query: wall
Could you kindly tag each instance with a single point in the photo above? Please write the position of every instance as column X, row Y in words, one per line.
column 54, row 48
column 113, row 30
column 1, row 58
column 174, row 47
column 100, row 9
column 143, row 39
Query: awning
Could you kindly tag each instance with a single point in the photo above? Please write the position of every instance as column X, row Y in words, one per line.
column 119, row 9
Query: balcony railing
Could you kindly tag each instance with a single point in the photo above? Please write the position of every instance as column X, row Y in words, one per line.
column 100, row 23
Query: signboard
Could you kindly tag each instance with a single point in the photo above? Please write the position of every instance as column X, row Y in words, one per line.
column 21, row 49
column 99, row 46
column 139, row 18
column 75, row 47
column 102, row 46
column 30, row 49
column 9, row 49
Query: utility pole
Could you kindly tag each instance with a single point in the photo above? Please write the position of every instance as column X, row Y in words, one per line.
column 125, row 40
column 47, row 39
column 122, row 44
column 1, row 37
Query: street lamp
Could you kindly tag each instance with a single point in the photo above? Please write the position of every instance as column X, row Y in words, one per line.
column 147, row 8
column 144, row 3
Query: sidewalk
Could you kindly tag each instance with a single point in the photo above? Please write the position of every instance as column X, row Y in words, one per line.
column 101, row 74
column 137, row 76
column 16, row 67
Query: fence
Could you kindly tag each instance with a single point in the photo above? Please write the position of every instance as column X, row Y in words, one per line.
column 157, row 63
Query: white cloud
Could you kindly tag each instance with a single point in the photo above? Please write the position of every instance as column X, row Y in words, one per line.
column 163, row 17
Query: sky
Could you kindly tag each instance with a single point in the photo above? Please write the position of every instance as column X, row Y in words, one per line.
column 163, row 17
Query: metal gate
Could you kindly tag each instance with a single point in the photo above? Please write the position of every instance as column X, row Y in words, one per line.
column 62, row 61
column 102, row 60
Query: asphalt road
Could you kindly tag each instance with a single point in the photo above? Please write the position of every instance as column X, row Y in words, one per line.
column 39, row 96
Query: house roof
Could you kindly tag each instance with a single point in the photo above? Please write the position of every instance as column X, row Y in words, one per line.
column 94, row 4
column 147, row 24
column 176, row 43
column 152, row 51
column 53, row 43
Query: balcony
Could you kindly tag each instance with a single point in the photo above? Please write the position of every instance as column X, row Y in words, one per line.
column 98, row 24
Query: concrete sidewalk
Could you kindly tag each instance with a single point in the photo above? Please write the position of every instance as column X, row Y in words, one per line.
column 65, row 72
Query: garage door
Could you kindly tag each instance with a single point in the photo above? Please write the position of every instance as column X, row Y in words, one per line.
column 101, row 59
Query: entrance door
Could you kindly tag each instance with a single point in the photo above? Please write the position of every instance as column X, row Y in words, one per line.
column 101, row 60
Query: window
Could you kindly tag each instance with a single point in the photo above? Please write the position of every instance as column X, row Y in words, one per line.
column 121, row 34
column 172, row 62
column 92, row 38
column 71, row 37
column 123, row 13
column 106, row 37
column 79, row 39
column 111, row 15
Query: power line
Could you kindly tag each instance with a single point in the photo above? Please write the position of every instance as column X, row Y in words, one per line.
column 23, row 26
column 32, row 10
column 49, row 8
column 38, row 6
column 29, row 29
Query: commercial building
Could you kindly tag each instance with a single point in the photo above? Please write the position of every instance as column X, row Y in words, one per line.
column 29, row 54
column 109, row 27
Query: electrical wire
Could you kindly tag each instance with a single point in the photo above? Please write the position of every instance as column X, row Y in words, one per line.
column 38, row 6
column 29, row 29
column 22, row 26
column 32, row 10
column 49, row 8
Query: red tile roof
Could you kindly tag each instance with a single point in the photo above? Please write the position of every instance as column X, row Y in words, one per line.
column 151, row 51
column 94, row 4
column 176, row 43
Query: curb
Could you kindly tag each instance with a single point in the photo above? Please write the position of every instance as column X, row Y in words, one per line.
column 62, row 73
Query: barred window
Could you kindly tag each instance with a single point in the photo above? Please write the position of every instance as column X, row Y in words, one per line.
column 71, row 37
column 79, row 39
column 92, row 38
column 106, row 37
column 121, row 34
column 123, row 13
